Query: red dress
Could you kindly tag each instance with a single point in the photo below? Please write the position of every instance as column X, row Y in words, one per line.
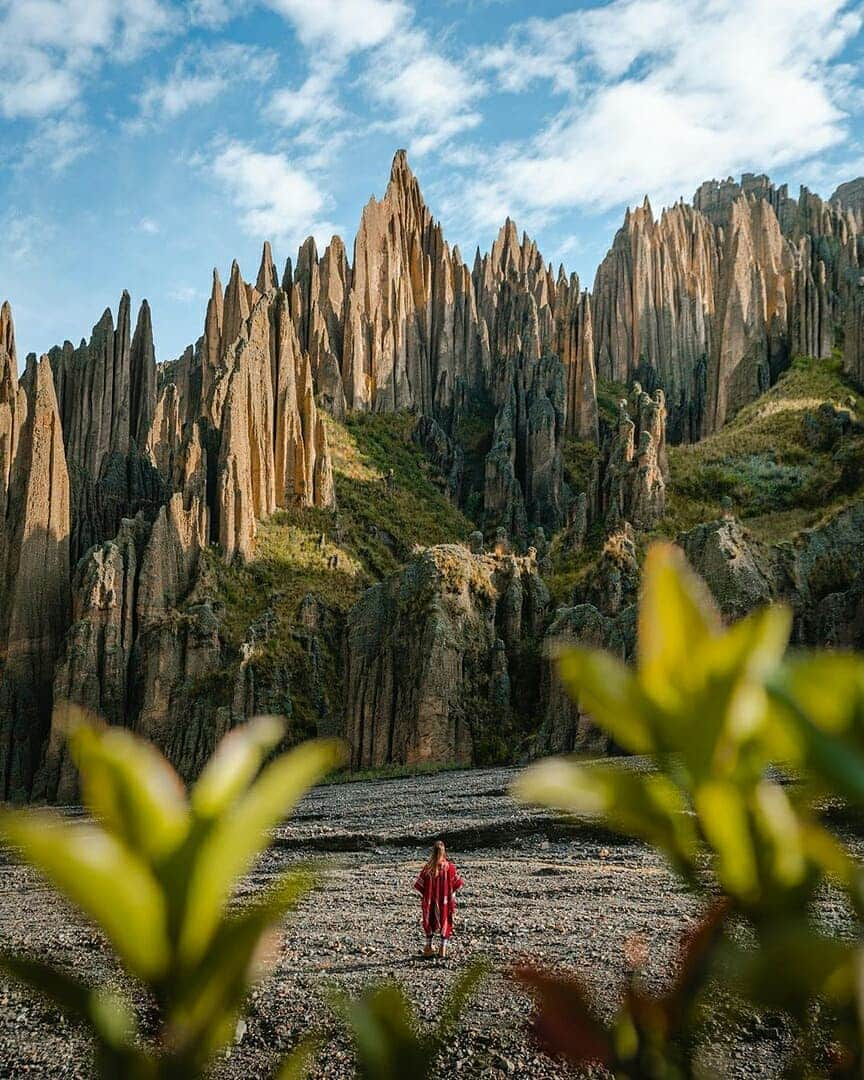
column 439, row 899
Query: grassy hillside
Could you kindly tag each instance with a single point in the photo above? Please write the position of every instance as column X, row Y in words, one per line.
column 780, row 465
column 380, row 518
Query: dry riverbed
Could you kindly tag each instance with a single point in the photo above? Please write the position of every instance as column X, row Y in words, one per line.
column 562, row 896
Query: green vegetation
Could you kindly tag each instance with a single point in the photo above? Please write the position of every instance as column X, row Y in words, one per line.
column 772, row 465
column 609, row 394
column 388, row 1038
column 332, row 556
column 754, row 851
column 157, row 871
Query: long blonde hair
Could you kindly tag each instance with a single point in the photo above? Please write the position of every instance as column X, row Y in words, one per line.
column 437, row 859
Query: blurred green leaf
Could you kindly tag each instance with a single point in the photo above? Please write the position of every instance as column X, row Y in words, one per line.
column 301, row 1059
column 109, row 1018
column 676, row 617
column 385, row 1036
column 102, row 878
column 608, row 690
column 724, row 820
column 793, row 965
column 130, row 787
column 229, row 848
column 219, row 984
column 822, row 701
column 234, row 764
column 458, row 997
column 645, row 805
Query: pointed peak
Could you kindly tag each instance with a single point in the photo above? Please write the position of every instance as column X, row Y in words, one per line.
column 288, row 275
column 267, row 279
column 400, row 165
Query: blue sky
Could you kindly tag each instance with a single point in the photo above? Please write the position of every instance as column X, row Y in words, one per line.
column 146, row 141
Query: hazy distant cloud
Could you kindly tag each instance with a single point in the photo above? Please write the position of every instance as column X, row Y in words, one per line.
column 56, row 143
column 216, row 13
column 276, row 198
column 664, row 93
column 25, row 235
column 148, row 226
column 199, row 77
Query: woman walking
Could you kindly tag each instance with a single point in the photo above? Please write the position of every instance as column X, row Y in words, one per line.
column 437, row 884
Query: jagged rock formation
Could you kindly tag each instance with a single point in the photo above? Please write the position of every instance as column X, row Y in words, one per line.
column 236, row 418
column 429, row 652
column 853, row 341
column 125, row 595
column 34, row 578
column 106, row 390
column 711, row 300
column 131, row 470
column 635, row 469
column 850, row 196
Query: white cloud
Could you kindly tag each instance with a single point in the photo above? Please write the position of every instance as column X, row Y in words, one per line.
column 276, row 198
column 200, row 77
column 50, row 47
column 343, row 26
column 185, row 294
column 313, row 103
column 25, row 235
column 429, row 96
column 664, row 94
column 148, row 226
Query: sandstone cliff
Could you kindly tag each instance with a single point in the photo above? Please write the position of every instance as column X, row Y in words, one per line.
column 34, row 580
column 431, row 652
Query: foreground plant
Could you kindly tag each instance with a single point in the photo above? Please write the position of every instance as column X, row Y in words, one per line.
column 713, row 708
column 156, row 871
column 389, row 1041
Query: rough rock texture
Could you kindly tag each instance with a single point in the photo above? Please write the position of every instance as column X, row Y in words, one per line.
column 635, row 470
column 106, row 390
column 34, row 581
column 428, row 654
column 125, row 594
column 851, row 196
column 818, row 574
column 709, row 301
column 853, row 341
column 236, row 421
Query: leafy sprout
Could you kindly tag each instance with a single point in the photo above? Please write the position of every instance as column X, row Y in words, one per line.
column 157, row 872
column 714, row 709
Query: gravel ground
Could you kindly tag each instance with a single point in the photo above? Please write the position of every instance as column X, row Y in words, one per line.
column 563, row 896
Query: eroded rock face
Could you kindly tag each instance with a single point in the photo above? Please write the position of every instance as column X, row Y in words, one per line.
column 635, row 470
column 711, row 300
column 34, row 585
column 115, row 661
column 106, row 391
column 566, row 727
column 427, row 654
column 853, row 342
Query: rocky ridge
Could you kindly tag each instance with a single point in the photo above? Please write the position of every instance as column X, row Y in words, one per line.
column 120, row 478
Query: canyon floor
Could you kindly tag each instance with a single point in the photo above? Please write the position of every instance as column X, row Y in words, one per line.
column 562, row 895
